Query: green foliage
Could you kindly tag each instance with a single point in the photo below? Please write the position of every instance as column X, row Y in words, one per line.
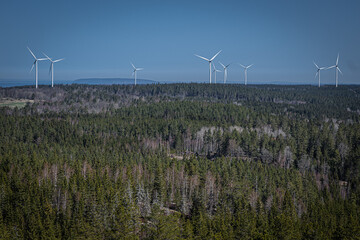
column 181, row 161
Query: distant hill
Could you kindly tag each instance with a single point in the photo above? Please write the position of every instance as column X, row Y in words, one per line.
column 110, row 81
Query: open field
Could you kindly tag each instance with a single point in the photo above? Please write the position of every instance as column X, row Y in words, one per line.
column 12, row 103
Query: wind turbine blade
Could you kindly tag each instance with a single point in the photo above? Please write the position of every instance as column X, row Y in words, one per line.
column 222, row 65
column 337, row 60
column 316, row 65
column 331, row 67
column 202, row 57
column 58, row 60
column 242, row 65
column 47, row 57
column 213, row 66
column 228, row 65
column 42, row 59
column 31, row 52
column 339, row 70
column 249, row 66
column 32, row 67
column 215, row 55
column 316, row 74
column 138, row 69
column 132, row 65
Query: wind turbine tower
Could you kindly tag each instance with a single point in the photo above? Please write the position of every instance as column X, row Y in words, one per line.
column 36, row 66
column 215, row 71
column 134, row 71
column 209, row 60
column 225, row 70
column 245, row 70
column 52, row 67
column 337, row 70
column 318, row 71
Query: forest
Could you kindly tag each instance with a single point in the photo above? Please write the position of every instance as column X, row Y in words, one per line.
column 180, row 161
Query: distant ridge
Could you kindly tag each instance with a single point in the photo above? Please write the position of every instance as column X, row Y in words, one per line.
column 110, row 81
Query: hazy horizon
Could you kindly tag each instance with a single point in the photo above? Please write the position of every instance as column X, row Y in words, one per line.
column 281, row 39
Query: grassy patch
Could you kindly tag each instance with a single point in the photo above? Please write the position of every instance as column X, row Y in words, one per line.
column 12, row 103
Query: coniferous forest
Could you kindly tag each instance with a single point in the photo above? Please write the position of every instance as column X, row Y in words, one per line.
column 180, row 161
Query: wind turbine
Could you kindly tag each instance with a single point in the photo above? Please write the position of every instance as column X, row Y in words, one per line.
column 215, row 71
column 225, row 70
column 209, row 60
column 318, row 71
column 246, row 68
column 52, row 68
column 134, row 71
column 36, row 66
column 337, row 70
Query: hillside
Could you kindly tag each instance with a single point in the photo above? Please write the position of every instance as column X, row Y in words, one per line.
column 110, row 81
column 175, row 161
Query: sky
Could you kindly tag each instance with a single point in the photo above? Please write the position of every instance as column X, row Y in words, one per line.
column 99, row 39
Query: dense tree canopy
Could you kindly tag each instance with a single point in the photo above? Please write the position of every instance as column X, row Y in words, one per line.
column 180, row 161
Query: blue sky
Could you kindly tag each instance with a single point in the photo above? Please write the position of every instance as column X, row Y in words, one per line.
column 99, row 38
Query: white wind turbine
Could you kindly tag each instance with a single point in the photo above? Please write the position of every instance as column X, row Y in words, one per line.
column 52, row 67
column 318, row 71
column 134, row 72
column 36, row 66
column 215, row 71
column 337, row 70
column 245, row 69
column 225, row 70
column 209, row 60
